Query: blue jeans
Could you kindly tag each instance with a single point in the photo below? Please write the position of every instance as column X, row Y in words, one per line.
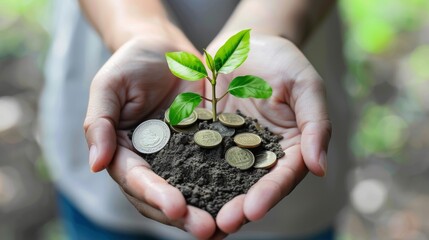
column 79, row 227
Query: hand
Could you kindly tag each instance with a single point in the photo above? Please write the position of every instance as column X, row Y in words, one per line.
column 296, row 110
column 135, row 84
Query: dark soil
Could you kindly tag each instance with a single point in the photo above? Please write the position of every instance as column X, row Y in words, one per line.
column 203, row 176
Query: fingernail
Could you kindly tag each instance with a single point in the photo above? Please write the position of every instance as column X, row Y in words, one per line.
column 323, row 162
column 92, row 156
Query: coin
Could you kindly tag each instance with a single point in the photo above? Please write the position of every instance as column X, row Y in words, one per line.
column 191, row 130
column 185, row 122
column 151, row 136
column 265, row 160
column 240, row 158
column 247, row 140
column 223, row 130
column 204, row 114
column 207, row 138
column 231, row 119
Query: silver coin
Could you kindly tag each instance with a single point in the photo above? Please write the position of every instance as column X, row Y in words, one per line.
column 222, row 129
column 151, row 136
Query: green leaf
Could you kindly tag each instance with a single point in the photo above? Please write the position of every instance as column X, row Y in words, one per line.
column 250, row 87
column 182, row 106
column 209, row 61
column 233, row 53
column 186, row 66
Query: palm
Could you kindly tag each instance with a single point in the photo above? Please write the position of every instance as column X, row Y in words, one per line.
column 149, row 85
column 282, row 65
column 134, row 85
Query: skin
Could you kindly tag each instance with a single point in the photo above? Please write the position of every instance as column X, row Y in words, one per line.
column 296, row 110
column 135, row 84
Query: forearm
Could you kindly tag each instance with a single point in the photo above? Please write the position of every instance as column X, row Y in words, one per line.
column 291, row 19
column 118, row 21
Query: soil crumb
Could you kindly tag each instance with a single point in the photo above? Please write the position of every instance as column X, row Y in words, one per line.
column 203, row 176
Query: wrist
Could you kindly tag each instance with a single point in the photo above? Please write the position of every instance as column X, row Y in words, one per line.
column 156, row 29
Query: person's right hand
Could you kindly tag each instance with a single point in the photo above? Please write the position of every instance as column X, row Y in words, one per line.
column 136, row 84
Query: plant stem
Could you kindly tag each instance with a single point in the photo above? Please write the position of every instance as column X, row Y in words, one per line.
column 214, row 101
column 222, row 96
column 206, row 99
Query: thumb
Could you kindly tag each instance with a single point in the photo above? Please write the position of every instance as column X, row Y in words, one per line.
column 314, row 124
column 102, row 117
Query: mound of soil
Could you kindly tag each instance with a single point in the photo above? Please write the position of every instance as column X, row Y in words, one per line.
column 203, row 176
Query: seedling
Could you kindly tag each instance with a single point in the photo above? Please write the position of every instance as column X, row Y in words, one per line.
column 229, row 57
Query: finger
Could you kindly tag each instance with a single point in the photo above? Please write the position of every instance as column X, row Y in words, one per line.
column 152, row 213
column 102, row 117
column 134, row 176
column 313, row 122
column 199, row 223
column 196, row 221
column 231, row 216
column 275, row 185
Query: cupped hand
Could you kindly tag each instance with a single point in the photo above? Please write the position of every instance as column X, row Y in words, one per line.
column 296, row 110
column 136, row 84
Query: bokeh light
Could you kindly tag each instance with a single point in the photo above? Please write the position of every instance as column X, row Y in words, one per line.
column 10, row 113
column 368, row 196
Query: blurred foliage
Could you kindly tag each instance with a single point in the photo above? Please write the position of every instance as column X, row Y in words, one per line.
column 379, row 36
column 31, row 10
column 21, row 28
column 374, row 24
column 419, row 62
column 380, row 131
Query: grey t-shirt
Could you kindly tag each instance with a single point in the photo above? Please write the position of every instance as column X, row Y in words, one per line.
column 75, row 56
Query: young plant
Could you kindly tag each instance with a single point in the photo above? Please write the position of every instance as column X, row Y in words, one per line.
column 229, row 57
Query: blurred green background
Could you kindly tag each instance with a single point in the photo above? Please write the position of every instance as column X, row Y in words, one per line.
column 386, row 43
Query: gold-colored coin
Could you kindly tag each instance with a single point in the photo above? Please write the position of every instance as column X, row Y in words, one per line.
column 265, row 160
column 207, row 138
column 191, row 130
column 240, row 158
column 231, row 119
column 204, row 114
column 185, row 122
column 247, row 140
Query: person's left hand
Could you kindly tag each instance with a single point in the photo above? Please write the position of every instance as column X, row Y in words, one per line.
column 296, row 111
